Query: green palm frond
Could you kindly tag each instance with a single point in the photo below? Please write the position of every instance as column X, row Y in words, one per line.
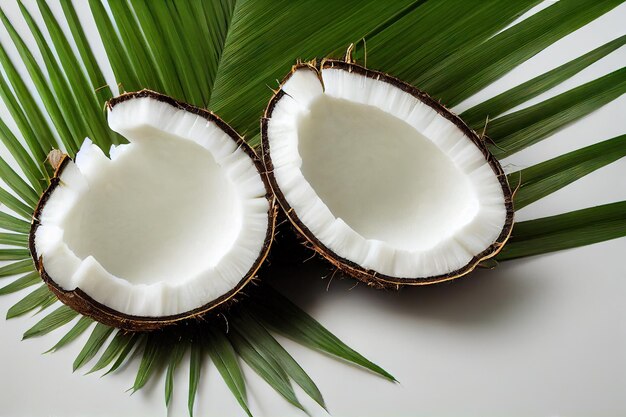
column 129, row 348
column 568, row 230
column 86, row 55
column 39, row 298
column 466, row 72
column 438, row 37
column 96, row 340
column 517, row 131
column 18, row 185
column 224, row 357
column 15, row 204
column 79, row 328
column 156, row 350
column 495, row 106
column 84, row 95
column 267, row 370
column 16, row 268
column 258, row 338
column 44, row 87
column 227, row 55
column 31, row 168
column 52, row 321
column 21, row 283
column 195, row 367
column 118, row 344
column 538, row 181
column 13, row 254
column 14, row 239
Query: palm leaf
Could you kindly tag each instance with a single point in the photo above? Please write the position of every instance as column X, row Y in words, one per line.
column 175, row 358
column 189, row 71
column 547, row 177
column 36, row 299
column 249, row 64
column 83, row 92
column 52, row 321
column 156, row 47
column 118, row 344
column 17, row 184
column 14, row 239
column 13, row 224
column 440, row 23
column 96, row 340
column 19, row 105
column 268, row 370
column 98, row 82
column 194, row 43
column 43, row 88
column 223, row 53
column 564, row 231
column 281, row 315
column 133, row 343
column 21, row 283
column 79, row 328
column 16, row 268
column 141, row 60
column 23, row 108
column 195, row 369
column 155, row 352
column 118, row 56
column 30, row 167
column 263, row 342
column 223, row 356
column 516, row 131
column 462, row 74
column 495, row 106
column 15, row 204
column 62, row 93
column 13, row 254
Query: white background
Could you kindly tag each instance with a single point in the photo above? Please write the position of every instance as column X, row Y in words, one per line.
column 543, row 336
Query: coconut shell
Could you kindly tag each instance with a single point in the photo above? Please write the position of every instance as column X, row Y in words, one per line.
column 348, row 267
column 86, row 305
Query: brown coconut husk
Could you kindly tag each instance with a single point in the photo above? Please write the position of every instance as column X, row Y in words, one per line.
column 368, row 276
column 86, row 305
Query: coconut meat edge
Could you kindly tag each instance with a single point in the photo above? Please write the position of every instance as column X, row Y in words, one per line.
column 170, row 222
column 381, row 178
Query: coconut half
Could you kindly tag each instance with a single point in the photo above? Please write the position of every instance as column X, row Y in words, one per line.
column 171, row 225
column 382, row 180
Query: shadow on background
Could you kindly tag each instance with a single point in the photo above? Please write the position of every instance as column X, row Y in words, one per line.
column 481, row 297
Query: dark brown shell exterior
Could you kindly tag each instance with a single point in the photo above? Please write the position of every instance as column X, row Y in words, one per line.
column 350, row 268
column 86, row 305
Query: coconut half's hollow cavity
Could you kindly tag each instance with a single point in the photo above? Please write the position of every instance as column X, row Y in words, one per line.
column 169, row 226
column 382, row 180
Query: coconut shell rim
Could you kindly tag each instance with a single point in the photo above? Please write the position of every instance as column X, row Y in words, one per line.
column 365, row 275
column 84, row 304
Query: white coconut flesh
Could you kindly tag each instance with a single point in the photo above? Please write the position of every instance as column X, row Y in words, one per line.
column 169, row 223
column 379, row 177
